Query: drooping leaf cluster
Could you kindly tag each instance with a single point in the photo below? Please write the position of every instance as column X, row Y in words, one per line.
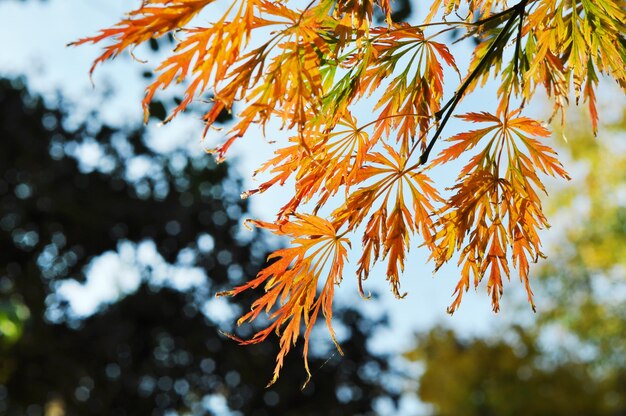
column 308, row 65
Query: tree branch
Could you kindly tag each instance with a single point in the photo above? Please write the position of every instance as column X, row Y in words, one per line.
column 450, row 106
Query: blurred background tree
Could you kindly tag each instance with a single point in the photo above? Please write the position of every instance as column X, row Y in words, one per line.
column 67, row 196
column 584, row 280
column 495, row 377
column 580, row 366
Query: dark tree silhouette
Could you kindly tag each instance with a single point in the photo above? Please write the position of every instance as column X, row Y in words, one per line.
column 154, row 350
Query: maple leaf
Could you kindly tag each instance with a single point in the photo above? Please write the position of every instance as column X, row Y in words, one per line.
column 492, row 211
column 393, row 222
column 291, row 283
column 153, row 19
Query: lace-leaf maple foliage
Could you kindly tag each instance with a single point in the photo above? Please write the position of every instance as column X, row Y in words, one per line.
column 308, row 65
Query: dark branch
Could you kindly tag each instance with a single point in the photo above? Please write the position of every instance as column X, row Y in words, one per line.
column 450, row 106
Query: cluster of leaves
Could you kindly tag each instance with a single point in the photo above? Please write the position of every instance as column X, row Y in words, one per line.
column 309, row 67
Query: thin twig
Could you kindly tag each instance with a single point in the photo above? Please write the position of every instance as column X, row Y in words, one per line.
column 450, row 106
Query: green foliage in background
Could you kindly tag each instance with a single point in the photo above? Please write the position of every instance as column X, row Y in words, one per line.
column 585, row 280
column 572, row 361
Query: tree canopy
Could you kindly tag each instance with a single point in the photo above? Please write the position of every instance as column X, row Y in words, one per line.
column 585, row 281
column 156, row 349
column 495, row 377
column 309, row 66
